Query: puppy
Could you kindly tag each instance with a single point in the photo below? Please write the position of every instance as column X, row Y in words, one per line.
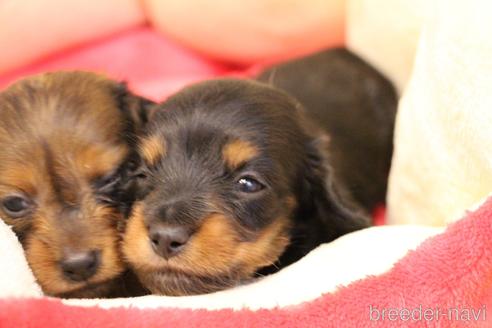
column 356, row 105
column 237, row 183
column 66, row 158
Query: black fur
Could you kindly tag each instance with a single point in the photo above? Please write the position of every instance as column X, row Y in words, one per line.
column 136, row 111
column 356, row 106
column 197, row 122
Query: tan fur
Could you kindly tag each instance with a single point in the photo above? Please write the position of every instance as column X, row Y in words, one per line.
column 152, row 149
column 109, row 159
column 43, row 251
column 238, row 152
column 215, row 249
column 58, row 132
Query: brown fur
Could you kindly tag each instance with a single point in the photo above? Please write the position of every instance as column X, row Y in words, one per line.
column 216, row 250
column 59, row 134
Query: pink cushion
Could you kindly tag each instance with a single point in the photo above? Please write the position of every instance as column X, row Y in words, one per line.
column 445, row 282
column 250, row 31
column 152, row 65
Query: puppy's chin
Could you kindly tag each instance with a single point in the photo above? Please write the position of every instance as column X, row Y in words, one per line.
column 91, row 290
column 179, row 283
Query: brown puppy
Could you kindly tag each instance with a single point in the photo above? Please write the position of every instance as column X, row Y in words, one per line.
column 66, row 152
column 237, row 183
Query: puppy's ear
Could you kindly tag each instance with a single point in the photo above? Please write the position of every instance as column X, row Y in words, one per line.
column 322, row 199
column 136, row 110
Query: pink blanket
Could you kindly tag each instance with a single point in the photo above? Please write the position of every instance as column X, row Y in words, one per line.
column 152, row 65
column 446, row 282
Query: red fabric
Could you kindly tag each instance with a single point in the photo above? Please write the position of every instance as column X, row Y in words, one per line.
column 379, row 215
column 153, row 66
column 452, row 270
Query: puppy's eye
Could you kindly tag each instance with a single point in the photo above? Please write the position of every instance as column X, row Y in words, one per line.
column 141, row 175
column 136, row 169
column 249, row 184
column 132, row 166
column 16, row 206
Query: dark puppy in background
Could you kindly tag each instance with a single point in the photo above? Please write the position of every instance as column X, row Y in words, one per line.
column 239, row 182
column 356, row 106
column 66, row 158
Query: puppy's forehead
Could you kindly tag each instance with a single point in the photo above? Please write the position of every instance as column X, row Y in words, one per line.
column 63, row 105
column 73, row 116
column 236, row 107
column 75, row 102
column 234, row 120
column 28, row 166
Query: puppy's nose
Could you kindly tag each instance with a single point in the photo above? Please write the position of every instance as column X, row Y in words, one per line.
column 80, row 266
column 168, row 241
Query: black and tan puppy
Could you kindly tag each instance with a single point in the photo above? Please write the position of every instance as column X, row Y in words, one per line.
column 66, row 152
column 356, row 105
column 237, row 183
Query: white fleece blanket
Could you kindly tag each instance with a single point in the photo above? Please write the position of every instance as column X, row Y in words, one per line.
column 350, row 258
column 16, row 279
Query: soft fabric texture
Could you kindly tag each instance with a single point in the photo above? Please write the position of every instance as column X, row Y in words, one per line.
column 241, row 32
column 442, row 163
column 16, row 279
column 34, row 29
column 451, row 271
column 386, row 33
column 249, row 31
column 323, row 270
column 152, row 65
column 441, row 154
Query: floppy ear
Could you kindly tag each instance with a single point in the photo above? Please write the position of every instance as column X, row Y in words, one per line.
column 324, row 203
column 136, row 110
column 324, row 211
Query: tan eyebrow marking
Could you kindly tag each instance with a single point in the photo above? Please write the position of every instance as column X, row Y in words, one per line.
column 238, row 152
column 152, row 149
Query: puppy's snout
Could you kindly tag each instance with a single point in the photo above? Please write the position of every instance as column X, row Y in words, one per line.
column 80, row 266
column 175, row 211
column 168, row 241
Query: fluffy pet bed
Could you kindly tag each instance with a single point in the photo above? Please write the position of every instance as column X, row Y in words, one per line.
column 445, row 282
column 390, row 276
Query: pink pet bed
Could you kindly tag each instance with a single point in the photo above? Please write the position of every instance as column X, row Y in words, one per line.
column 152, row 65
column 446, row 282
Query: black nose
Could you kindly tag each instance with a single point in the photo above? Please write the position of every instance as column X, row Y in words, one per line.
column 168, row 241
column 80, row 266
